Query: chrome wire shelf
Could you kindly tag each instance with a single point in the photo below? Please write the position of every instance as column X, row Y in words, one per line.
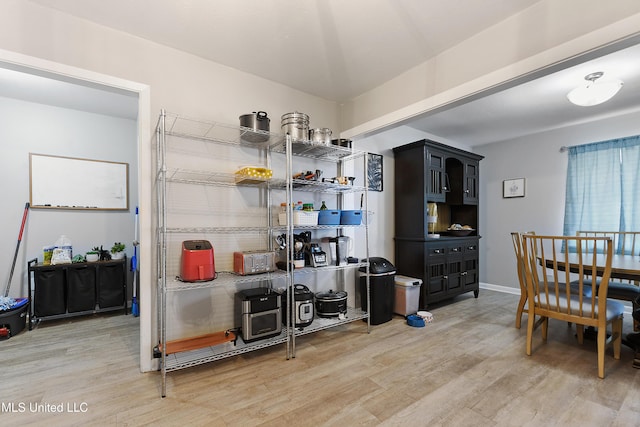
column 224, row 278
column 320, row 323
column 188, row 359
column 317, row 151
column 217, row 230
column 205, row 130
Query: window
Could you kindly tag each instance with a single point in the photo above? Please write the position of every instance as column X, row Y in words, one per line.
column 603, row 186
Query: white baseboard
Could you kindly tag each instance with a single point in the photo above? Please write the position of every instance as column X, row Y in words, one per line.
column 516, row 291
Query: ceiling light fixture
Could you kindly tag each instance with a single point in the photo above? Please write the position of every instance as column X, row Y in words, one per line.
column 594, row 92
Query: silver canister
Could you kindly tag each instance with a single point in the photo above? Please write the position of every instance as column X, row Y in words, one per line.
column 296, row 124
column 320, row 136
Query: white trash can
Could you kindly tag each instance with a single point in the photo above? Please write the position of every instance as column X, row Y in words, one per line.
column 407, row 298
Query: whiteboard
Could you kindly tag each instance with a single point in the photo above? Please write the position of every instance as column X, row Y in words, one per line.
column 58, row 182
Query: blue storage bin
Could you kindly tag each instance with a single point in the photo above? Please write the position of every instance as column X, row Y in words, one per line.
column 351, row 217
column 328, row 217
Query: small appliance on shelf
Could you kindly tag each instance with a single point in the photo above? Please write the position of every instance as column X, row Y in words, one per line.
column 258, row 312
column 197, row 264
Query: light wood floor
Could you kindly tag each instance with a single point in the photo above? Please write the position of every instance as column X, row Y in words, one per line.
column 468, row 368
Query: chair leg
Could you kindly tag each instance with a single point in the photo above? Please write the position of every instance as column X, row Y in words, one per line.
column 545, row 328
column 602, row 340
column 636, row 307
column 521, row 303
column 580, row 333
column 531, row 321
column 616, row 331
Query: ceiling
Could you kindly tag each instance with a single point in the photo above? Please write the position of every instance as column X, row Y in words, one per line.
column 336, row 46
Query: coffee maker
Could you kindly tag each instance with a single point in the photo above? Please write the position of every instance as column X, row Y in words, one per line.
column 339, row 247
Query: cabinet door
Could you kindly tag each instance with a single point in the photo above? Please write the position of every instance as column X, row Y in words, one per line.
column 470, row 177
column 435, row 286
column 470, row 266
column 455, row 267
column 454, row 278
column 436, row 179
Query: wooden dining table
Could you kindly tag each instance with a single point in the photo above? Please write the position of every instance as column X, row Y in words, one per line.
column 622, row 266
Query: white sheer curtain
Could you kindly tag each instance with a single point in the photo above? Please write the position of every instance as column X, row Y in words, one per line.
column 603, row 186
column 630, row 215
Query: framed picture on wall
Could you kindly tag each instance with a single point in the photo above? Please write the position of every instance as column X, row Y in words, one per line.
column 374, row 171
column 513, row 188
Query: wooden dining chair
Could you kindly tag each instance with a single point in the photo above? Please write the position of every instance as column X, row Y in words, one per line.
column 624, row 243
column 549, row 291
column 517, row 248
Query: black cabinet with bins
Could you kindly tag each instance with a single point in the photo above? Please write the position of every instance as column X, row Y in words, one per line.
column 430, row 172
column 65, row 290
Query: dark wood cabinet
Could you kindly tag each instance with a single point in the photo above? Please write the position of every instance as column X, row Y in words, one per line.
column 66, row 290
column 429, row 172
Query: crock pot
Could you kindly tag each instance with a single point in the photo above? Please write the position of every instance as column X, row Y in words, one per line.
column 331, row 304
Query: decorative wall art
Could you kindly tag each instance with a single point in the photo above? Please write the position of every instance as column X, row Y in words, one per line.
column 513, row 188
column 374, row 171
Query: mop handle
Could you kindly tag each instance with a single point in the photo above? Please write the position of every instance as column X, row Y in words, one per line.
column 15, row 256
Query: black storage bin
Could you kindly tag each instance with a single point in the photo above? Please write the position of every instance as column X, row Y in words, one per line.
column 111, row 285
column 381, row 289
column 81, row 288
column 15, row 318
column 49, row 298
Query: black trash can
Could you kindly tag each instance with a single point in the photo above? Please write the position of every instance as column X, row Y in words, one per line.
column 381, row 287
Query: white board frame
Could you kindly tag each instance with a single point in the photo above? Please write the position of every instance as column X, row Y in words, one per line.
column 58, row 182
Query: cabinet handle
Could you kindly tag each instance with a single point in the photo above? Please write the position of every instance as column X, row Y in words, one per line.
column 471, row 248
column 466, row 191
column 455, row 250
column 445, row 277
column 464, row 273
column 445, row 187
column 436, row 251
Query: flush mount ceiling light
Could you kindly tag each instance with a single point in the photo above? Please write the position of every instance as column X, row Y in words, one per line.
column 594, row 92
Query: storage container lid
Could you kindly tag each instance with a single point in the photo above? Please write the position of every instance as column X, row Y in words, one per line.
column 407, row 281
column 331, row 295
column 378, row 265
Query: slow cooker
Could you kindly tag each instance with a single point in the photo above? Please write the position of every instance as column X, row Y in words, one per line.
column 303, row 312
column 331, row 304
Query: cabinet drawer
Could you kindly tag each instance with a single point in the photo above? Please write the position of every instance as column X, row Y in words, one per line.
column 456, row 248
column 435, row 250
column 471, row 247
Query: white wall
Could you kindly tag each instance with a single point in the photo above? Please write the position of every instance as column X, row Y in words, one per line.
column 178, row 82
column 544, row 34
column 538, row 159
column 36, row 128
column 382, row 227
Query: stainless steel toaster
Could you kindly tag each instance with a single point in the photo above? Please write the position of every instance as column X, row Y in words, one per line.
column 254, row 262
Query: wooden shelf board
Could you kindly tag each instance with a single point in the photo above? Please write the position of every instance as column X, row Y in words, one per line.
column 194, row 343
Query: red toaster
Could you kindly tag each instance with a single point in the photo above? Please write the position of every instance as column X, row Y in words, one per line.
column 197, row 263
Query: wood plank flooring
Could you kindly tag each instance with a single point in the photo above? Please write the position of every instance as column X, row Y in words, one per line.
column 467, row 368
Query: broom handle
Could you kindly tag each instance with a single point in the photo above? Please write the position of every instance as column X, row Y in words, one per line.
column 15, row 256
